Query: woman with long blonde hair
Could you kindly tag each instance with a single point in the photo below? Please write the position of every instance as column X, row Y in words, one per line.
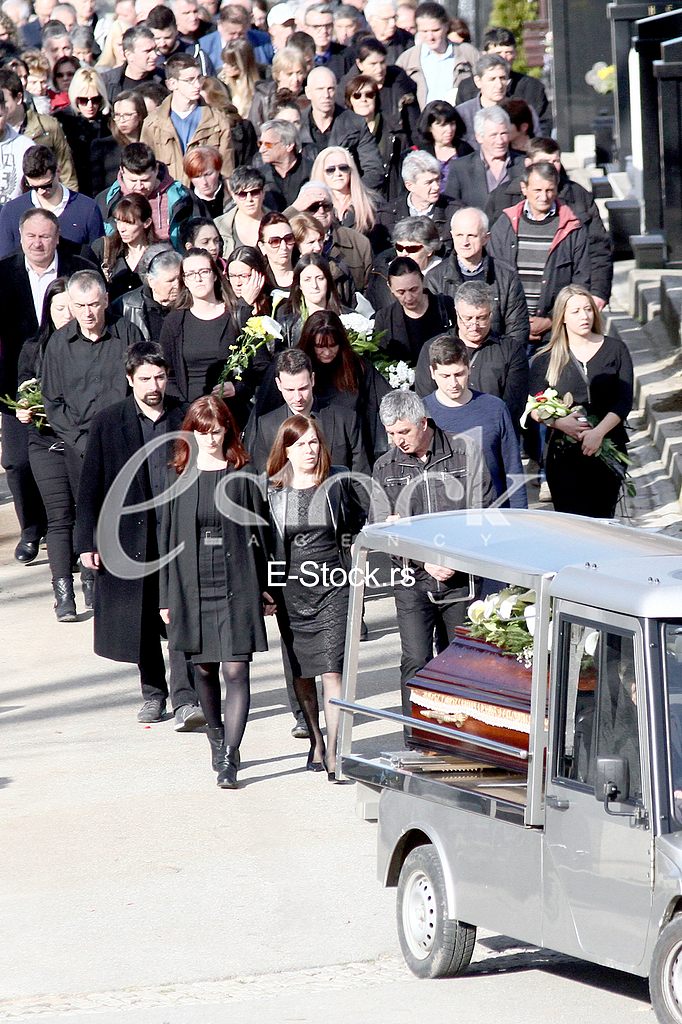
column 239, row 74
column 597, row 372
column 112, row 51
column 355, row 206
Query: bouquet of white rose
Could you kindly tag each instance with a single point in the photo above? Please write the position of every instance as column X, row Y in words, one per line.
column 257, row 331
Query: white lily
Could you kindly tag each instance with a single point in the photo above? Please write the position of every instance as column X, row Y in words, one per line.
column 271, row 326
column 476, row 611
column 507, row 608
column 591, row 641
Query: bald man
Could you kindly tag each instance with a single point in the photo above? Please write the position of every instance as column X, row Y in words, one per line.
column 324, row 123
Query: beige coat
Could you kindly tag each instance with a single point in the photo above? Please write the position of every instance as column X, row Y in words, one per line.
column 159, row 132
column 466, row 56
column 47, row 131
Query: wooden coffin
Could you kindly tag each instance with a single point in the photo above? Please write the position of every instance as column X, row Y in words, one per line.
column 478, row 689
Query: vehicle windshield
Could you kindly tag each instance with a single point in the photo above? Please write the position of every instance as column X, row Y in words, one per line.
column 672, row 646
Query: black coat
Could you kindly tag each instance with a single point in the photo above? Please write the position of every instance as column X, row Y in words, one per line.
column 350, row 131
column 19, row 322
column 584, row 207
column 105, row 156
column 347, row 515
column 499, row 367
column 521, row 87
column 247, row 548
column 115, row 436
column 80, row 135
column 467, row 182
column 510, row 312
column 441, row 215
column 172, row 341
column 339, row 426
column 396, row 342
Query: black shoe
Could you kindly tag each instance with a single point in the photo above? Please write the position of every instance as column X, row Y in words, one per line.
column 300, row 730
column 65, row 601
column 88, row 587
column 151, row 711
column 314, row 766
column 216, row 737
column 26, row 551
column 227, row 776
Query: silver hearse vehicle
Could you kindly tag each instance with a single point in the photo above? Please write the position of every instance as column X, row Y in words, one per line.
column 559, row 821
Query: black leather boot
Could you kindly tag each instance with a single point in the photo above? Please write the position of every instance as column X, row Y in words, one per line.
column 88, row 586
column 65, row 599
column 216, row 737
column 227, row 776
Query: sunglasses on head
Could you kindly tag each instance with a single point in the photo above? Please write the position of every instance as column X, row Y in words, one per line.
column 344, row 168
column 321, row 205
column 400, row 247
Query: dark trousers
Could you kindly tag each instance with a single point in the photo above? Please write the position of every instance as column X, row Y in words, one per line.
column 25, row 494
column 418, row 618
column 151, row 665
column 48, row 463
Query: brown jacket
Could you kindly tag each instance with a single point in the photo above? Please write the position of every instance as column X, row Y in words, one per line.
column 47, row 131
column 466, row 56
column 159, row 132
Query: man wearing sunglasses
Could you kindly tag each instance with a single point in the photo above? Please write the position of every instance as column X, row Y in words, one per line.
column 80, row 220
column 325, row 123
column 285, row 167
column 345, row 247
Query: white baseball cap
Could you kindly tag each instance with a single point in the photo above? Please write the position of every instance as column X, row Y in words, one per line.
column 280, row 14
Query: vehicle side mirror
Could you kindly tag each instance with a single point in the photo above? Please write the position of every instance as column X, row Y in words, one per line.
column 612, row 782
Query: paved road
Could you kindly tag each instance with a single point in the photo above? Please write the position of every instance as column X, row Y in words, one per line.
column 136, row 892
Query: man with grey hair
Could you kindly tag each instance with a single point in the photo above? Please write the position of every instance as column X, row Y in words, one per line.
column 421, row 174
column 471, row 261
column 284, row 166
column 318, row 22
column 347, row 21
column 472, row 178
column 55, row 42
column 426, row 470
column 65, row 13
column 147, row 307
column 381, row 16
column 325, row 123
column 499, row 365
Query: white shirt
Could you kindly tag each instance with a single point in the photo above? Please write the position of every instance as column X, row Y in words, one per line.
column 12, row 149
column 57, row 210
column 414, row 212
column 40, row 283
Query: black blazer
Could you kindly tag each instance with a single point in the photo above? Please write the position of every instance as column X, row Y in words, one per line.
column 388, row 217
column 19, row 322
column 391, row 320
column 115, row 436
column 467, row 183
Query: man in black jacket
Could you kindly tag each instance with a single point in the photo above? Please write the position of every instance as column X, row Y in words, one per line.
column 295, row 380
column 324, row 123
column 498, row 363
column 421, row 176
column 471, row 262
column 282, row 162
column 139, row 50
column 24, row 279
column 415, row 317
column 472, row 178
column 581, row 203
column 318, row 22
column 427, row 470
column 127, row 622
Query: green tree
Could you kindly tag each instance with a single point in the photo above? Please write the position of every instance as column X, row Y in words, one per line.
column 511, row 14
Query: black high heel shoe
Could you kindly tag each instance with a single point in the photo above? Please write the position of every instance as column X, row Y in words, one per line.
column 314, row 766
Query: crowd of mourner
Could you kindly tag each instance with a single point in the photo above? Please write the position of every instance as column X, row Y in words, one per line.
column 331, row 250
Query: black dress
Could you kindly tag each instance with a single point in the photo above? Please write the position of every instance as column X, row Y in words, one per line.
column 584, row 484
column 202, row 353
column 215, row 585
column 316, row 605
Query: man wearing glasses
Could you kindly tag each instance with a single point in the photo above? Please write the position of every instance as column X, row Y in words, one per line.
column 319, row 23
column 80, row 220
column 184, row 120
column 381, row 17
column 285, row 167
column 12, row 149
column 345, row 247
column 471, row 262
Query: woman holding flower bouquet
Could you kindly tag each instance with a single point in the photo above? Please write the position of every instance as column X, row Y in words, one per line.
column 594, row 374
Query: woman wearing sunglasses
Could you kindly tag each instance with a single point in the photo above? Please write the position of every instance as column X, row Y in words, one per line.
column 354, row 205
column 277, row 243
column 415, row 237
column 241, row 224
column 83, row 121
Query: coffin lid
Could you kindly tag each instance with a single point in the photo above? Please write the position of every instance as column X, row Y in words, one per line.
column 595, row 562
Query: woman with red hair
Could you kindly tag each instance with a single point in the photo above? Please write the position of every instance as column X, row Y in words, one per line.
column 203, row 166
column 212, row 590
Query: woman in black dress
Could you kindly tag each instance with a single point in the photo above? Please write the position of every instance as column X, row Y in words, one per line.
column 597, row 371
column 212, row 592
column 315, row 514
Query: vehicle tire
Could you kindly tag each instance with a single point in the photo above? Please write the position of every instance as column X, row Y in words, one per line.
column 433, row 945
column 665, row 974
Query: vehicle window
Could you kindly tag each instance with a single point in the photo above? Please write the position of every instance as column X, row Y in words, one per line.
column 673, row 673
column 598, row 703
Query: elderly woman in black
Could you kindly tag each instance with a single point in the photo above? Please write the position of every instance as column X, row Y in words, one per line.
column 597, row 371
column 212, row 593
column 197, row 335
column 315, row 514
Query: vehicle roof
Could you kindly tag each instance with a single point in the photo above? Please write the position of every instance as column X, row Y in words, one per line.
column 594, row 561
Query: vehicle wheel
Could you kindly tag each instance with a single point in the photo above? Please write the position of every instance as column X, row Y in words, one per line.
column 434, row 946
column 665, row 975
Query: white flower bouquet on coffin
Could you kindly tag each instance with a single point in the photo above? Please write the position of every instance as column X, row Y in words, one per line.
column 507, row 620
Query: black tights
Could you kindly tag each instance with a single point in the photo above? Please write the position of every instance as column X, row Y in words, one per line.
column 237, row 697
column 306, row 694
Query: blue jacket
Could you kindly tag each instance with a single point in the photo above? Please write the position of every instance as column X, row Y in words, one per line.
column 81, row 222
column 213, row 45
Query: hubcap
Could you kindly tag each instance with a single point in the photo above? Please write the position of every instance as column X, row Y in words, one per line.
column 672, row 982
column 419, row 915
